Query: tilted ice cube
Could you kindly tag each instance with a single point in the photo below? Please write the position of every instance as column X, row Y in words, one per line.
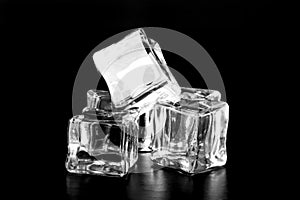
column 136, row 73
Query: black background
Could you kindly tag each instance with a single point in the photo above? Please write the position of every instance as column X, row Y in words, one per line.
column 44, row 45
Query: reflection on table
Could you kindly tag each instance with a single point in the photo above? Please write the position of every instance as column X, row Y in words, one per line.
column 149, row 182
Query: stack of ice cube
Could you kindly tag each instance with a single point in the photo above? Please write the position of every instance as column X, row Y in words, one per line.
column 145, row 110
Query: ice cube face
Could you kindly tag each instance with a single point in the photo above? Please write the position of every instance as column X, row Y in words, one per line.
column 136, row 72
column 191, row 137
column 103, row 140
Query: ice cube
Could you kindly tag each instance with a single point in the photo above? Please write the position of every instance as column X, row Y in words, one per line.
column 191, row 137
column 136, row 72
column 102, row 141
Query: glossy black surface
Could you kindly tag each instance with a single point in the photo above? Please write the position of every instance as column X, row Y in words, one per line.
column 146, row 182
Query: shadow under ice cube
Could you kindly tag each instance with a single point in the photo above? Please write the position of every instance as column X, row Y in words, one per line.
column 191, row 137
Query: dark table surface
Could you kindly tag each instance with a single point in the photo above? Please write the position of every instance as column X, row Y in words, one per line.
column 148, row 182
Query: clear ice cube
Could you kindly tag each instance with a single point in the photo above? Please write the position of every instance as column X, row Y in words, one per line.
column 136, row 72
column 102, row 141
column 191, row 137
